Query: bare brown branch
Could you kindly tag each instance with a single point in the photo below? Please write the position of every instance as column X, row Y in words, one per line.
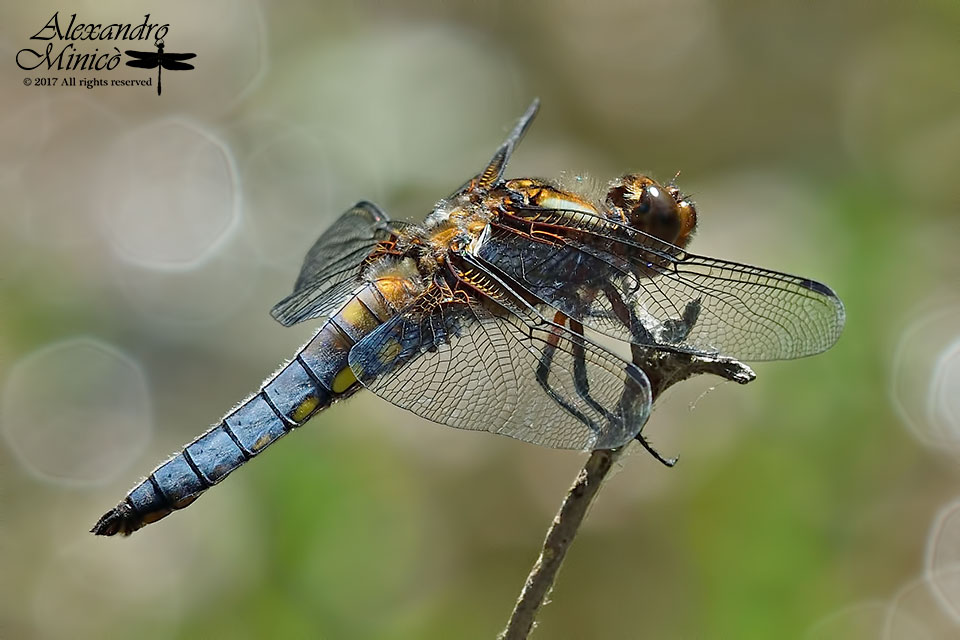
column 664, row 369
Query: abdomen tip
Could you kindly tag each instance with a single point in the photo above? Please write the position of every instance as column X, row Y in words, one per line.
column 120, row 520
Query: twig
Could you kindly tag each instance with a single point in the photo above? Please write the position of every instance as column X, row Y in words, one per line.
column 664, row 369
column 559, row 537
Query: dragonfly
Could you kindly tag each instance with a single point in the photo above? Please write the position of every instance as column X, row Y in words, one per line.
column 160, row 60
column 492, row 315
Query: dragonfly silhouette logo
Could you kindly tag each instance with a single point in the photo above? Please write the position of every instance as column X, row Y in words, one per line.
column 65, row 46
column 160, row 60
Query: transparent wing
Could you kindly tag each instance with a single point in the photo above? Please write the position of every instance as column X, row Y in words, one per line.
column 493, row 172
column 629, row 285
column 475, row 365
column 571, row 280
column 332, row 267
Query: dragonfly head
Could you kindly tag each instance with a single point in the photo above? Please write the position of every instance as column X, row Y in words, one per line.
column 662, row 212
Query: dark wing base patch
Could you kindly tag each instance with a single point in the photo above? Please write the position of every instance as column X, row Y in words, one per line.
column 332, row 268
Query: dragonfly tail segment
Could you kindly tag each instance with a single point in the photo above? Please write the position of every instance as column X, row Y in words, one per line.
column 286, row 401
column 318, row 376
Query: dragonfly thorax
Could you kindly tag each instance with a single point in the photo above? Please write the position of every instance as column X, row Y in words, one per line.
column 455, row 224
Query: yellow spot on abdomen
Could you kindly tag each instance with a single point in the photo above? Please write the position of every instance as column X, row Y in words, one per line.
column 357, row 316
column 305, row 408
column 343, row 380
column 261, row 442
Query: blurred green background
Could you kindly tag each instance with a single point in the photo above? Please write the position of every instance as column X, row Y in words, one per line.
column 144, row 238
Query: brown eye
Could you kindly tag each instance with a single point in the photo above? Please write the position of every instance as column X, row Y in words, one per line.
column 661, row 212
column 644, row 206
column 656, row 213
column 688, row 222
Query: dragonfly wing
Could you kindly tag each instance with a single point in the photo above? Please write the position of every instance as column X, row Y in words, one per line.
column 564, row 277
column 493, row 172
column 752, row 313
column 332, row 267
column 173, row 65
column 145, row 55
column 737, row 310
column 477, row 365
column 178, row 56
column 143, row 64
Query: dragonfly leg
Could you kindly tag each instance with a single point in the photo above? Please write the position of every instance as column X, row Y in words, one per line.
column 543, row 374
column 673, row 330
column 676, row 330
column 580, row 381
column 668, row 462
column 543, row 367
column 625, row 314
column 639, row 333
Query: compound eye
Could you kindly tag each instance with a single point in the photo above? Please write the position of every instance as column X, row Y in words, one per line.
column 645, row 204
column 657, row 214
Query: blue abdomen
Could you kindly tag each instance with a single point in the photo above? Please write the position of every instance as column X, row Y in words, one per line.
column 319, row 375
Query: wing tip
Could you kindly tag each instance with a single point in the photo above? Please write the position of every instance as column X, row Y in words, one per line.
column 277, row 313
column 379, row 214
column 831, row 297
column 818, row 287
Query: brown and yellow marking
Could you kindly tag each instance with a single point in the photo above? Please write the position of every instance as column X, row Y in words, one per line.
column 521, row 184
column 305, row 408
column 153, row 516
column 688, row 222
column 392, row 289
column 333, row 336
column 459, row 214
column 344, row 379
column 184, row 502
column 475, row 227
column 538, row 233
column 479, row 282
column 554, row 338
column 397, row 290
column 492, row 173
column 443, row 237
column 261, row 443
column 375, row 303
column 389, row 351
column 355, row 314
column 550, row 197
column 554, row 199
